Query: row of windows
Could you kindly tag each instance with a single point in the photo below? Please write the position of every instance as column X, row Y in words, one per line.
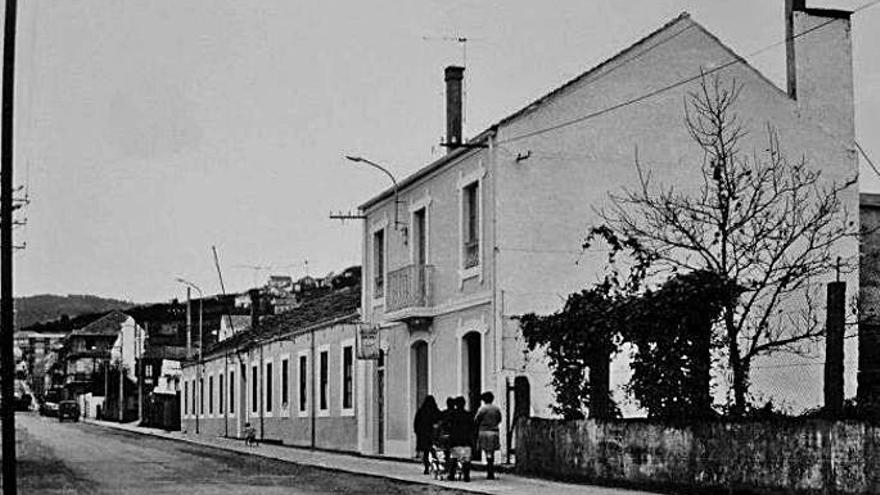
column 193, row 400
column 470, row 238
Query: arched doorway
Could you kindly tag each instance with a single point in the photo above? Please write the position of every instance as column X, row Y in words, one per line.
column 419, row 372
column 471, row 368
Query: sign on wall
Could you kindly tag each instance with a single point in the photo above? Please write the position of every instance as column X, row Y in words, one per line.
column 367, row 341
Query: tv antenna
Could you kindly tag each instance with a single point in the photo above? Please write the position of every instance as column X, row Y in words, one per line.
column 463, row 41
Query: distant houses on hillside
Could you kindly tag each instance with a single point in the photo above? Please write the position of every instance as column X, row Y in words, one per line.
column 86, row 358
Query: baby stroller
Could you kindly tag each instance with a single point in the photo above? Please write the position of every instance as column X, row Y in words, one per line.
column 439, row 464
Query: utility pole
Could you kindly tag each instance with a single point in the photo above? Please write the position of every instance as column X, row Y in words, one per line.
column 189, row 285
column 188, row 323
column 189, row 350
column 7, row 311
column 139, row 362
column 104, row 414
column 121, row 372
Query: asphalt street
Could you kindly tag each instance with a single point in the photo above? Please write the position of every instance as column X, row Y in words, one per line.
column 77, row 458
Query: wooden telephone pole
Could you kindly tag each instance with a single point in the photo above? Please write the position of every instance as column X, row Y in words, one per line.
column 7, row 318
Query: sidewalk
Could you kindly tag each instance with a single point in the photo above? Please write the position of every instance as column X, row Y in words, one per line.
column 506, row 484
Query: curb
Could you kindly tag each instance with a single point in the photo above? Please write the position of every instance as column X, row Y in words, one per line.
column 427, row 482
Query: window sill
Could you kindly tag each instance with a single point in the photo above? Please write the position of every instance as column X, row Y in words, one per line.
column 468, row 273
column 347, row 412
column 302, row 414
column 378, row 301
column 323, row 413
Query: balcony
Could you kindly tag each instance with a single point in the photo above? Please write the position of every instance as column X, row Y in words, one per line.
column 79, row 378
column 409, row 293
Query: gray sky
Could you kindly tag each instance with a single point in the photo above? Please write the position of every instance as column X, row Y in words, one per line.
column 148, row 131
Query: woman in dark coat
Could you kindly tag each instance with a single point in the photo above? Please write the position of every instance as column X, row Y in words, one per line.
column 427, row 416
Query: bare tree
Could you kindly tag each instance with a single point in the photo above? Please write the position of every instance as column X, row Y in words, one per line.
column 767, row 224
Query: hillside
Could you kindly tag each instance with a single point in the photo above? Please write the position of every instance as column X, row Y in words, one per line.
column 43, row 308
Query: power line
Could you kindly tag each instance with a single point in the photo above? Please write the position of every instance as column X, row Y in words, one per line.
column 651, row 94
column 867, row 158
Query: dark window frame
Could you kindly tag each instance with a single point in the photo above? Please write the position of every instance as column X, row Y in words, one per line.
column 324, row 380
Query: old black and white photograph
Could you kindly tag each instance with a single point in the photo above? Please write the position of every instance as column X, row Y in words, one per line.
column 440, row 247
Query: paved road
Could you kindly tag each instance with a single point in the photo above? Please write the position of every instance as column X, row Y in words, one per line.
column 76, row 458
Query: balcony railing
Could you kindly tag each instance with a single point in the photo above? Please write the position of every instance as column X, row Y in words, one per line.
column 409, row 287
column 79, row 377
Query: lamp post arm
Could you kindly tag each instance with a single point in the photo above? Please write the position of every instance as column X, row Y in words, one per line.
column 390, row 176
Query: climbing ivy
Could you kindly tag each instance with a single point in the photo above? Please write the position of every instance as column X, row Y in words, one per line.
column 669, row 329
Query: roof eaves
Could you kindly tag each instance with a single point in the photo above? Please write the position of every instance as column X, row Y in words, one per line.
column 629, row 49
column 484, row 136
column 869, row 200
column 316, row 326
column 427, row 170
column 835, row 13
column 741, row 60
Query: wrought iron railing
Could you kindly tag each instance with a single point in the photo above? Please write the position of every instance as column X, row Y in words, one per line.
column 409, row 287
column 79, row 377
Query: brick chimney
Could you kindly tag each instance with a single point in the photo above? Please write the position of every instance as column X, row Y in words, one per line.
column 454, row 77
column 819, row 65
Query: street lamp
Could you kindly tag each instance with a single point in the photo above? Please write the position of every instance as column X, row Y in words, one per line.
column 360, row 159
column 199, row 364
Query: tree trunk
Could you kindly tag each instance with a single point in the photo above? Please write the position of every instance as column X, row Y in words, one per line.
column 702, row 367
column 600, row 386
column 740, row 378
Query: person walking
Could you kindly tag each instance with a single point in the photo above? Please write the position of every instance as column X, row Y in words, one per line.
column 426, row 418
column 487, row 420
column 250, row 435
column 461, row 439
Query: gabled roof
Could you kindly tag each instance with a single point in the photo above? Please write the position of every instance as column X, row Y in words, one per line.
column 334, row 307
column 683, row 19
column 172, row 352
column 238, row 323
column 106, row 326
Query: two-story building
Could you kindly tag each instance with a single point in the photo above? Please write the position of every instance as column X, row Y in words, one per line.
column 494, row 229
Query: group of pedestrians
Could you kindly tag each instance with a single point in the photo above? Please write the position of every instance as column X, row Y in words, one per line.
column 457, row 432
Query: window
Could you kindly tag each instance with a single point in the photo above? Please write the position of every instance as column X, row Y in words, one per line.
column 231, row 392
column 347, row 378
column 186, row 404
column 303, row 383
column 201, row 396
column 254, row 389
column 379, row 264
column 471, row 224
column 210, row 395
column 322, row 363
column 148, row 370
column 268, row 387
column 220, row 393
column 285, row 383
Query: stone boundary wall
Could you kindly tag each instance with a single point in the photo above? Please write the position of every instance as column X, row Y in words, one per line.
column 785, row 456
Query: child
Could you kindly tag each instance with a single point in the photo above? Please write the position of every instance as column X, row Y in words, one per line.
column 250, row 435
column 487, row 420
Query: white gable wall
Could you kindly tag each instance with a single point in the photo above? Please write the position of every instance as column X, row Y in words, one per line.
column 546, row 202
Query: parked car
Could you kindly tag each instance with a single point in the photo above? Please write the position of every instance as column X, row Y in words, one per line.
column 68, row 409
column 49, row 405
column 49, row 408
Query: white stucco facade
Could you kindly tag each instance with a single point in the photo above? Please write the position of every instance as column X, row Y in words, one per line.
column 539, row 184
